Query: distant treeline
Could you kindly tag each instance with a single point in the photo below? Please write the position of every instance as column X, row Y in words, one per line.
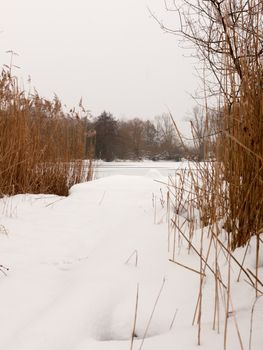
column 136, row 138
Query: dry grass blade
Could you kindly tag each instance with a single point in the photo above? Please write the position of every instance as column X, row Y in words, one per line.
column 134, row 253
column 152, row 313
column 135, row 317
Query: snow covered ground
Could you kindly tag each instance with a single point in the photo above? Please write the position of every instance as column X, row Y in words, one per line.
column 76, row 264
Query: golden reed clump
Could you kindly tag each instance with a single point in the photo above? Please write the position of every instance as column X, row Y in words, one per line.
column 42, row 149
column 242, row 157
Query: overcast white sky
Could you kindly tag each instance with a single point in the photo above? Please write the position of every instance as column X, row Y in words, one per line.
column 110, row 52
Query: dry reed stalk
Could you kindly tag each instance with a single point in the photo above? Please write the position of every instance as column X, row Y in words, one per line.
column 227, row 302
column 251, row 322
column 257, row 280
column 135, row 318
column 155, row 209
column 243, row 260
column 231, row 256
column 173, row 320
column 257, row 265
column 175, row 230
column 201, row 257
column 188, row 268
column 200, row 289
column 152, row 314
column 236, row 325
column 197, row 308
column 254, row 287
column 216, row 299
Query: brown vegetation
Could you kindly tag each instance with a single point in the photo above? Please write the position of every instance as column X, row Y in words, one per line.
column 41, row 147
column 223, row 199
column 228, row 38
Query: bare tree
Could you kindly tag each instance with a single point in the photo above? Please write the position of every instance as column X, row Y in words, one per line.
column 167, row 138
column 224, row 33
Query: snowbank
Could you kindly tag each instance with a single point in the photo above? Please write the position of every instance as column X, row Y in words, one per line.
column 76, row 263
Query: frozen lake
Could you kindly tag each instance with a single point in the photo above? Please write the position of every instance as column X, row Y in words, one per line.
column 143, row 168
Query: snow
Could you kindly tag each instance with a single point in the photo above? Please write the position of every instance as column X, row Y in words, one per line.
column 75, row 264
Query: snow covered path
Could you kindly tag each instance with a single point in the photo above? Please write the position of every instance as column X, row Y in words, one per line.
column 70, row 286
column 68, row 281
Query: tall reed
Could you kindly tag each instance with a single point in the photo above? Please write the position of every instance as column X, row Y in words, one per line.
column 242, row 156
column 42, row 148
